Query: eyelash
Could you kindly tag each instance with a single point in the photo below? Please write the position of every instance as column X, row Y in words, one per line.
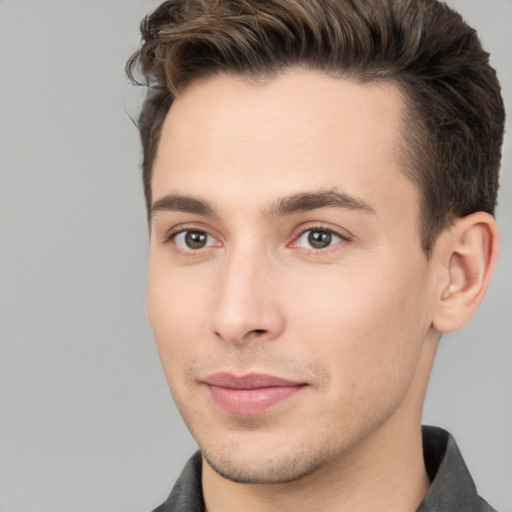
column 179, row 230
column 319, row 228
column 171, row 238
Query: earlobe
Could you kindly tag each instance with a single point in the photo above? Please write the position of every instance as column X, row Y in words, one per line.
column 467, row 254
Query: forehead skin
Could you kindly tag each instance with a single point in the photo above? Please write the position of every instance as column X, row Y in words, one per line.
column 269, row 130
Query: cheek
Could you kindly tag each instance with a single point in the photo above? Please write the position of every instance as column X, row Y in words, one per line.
column 366, row 328
column 175, row 306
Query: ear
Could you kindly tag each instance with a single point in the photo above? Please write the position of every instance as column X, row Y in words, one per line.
column 466, row 254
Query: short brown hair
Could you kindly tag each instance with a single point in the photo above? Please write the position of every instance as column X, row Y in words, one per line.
column 455, row 114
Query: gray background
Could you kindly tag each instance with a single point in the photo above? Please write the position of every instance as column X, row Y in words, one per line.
column 86, row 420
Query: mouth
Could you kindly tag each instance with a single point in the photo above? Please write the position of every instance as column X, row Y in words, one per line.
column 249, row 394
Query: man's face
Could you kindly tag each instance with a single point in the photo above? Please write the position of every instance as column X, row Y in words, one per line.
column 288, row 293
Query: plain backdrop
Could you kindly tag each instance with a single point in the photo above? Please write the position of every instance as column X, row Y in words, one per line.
column 86, row 420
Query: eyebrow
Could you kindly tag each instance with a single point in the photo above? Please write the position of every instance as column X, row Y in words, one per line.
column 289, row 205
column 303, row 202
column 180, row 203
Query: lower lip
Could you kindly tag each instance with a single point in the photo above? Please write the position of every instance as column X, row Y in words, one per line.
column 251, row 401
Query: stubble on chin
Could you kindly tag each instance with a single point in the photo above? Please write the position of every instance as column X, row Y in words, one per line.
column 283, row 469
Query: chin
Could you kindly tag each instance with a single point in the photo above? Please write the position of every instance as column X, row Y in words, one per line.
column 274, row 469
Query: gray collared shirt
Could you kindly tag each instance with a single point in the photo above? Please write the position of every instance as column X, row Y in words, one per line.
column 452, row 489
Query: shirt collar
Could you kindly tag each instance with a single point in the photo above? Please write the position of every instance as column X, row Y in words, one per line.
column 452, row 487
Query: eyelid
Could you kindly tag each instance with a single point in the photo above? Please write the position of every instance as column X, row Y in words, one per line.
column 322, row 226
column 171, row 234
column 344, row 235
column 180, row 228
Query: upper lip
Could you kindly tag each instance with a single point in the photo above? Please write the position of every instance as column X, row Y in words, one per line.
column 248, row 381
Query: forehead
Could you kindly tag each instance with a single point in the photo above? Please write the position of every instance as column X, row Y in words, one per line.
column 301, row 130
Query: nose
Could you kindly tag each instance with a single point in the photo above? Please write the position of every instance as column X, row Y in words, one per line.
column 247, row 305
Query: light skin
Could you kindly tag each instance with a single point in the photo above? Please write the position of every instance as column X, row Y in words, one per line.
column 285, row 242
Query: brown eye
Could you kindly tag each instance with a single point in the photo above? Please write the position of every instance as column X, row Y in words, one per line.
column 318, row 239
column 196, row 239
column 192, row 239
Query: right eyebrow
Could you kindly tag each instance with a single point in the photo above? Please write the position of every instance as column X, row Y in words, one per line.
column 180, row 203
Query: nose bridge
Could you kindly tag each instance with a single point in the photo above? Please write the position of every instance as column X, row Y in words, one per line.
column 246, row 305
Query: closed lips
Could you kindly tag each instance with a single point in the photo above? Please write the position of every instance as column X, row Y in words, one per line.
column 249, row 394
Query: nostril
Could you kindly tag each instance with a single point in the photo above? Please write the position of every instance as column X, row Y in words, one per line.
column 258, row 331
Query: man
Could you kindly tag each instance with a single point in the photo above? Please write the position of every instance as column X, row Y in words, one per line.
column 320, row 177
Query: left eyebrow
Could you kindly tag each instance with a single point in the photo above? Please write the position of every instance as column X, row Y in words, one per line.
column 306, row 201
